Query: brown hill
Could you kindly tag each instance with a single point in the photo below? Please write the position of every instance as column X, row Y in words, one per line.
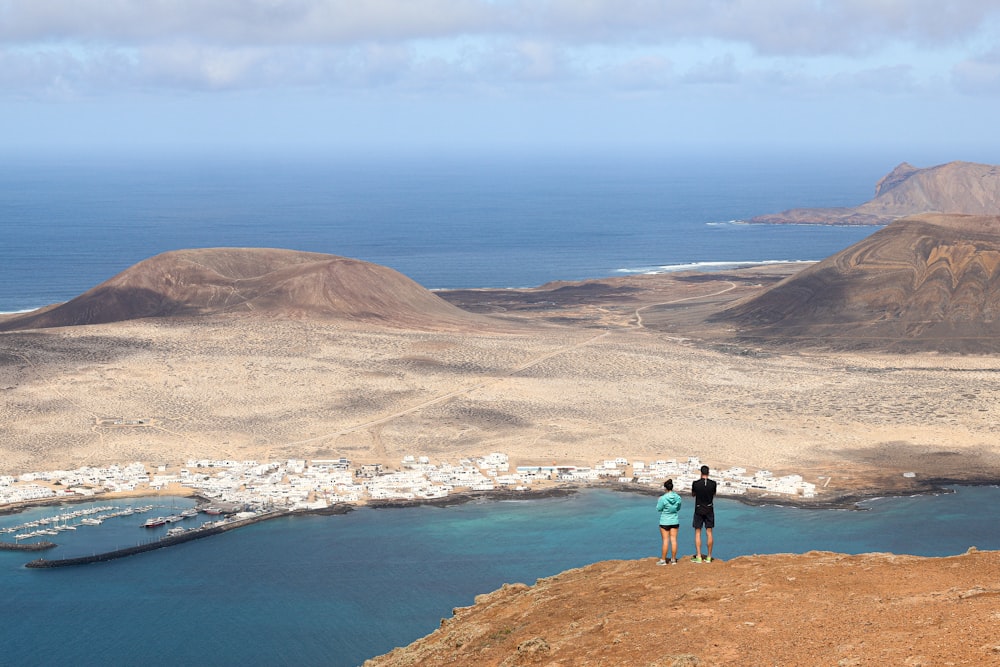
column 955, row 187
column 269, row 282
column 929, row 282
column 818, row 608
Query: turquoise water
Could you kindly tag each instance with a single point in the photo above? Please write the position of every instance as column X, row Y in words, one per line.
column 334, row 590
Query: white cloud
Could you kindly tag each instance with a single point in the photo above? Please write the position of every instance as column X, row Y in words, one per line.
column 241, row 22
column 51, row 48
column 770, row 26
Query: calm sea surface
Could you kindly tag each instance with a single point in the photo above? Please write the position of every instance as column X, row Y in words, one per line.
column 67, row 227
column 336, row 590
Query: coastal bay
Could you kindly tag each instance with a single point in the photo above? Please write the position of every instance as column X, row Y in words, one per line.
column 328, row 589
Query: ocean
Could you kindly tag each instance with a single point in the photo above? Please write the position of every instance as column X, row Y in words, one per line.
column 336, row 590
column 455, row 223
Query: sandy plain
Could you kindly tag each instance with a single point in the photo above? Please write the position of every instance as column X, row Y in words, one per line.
column 572, row 373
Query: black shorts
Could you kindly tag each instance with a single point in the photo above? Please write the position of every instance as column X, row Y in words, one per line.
column 703, row 516
column 673, row 527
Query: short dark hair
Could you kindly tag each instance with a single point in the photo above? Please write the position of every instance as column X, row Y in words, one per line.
column 704, row 470
column 669, row 485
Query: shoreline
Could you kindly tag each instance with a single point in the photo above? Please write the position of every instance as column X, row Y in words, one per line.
column 16, row 508
column 464, row 497
column 846, row 499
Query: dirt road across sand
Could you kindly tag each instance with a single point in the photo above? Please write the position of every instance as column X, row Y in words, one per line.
column 573, row 373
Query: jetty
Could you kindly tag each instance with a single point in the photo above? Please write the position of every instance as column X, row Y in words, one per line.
column 170, row 540
column 29, row 546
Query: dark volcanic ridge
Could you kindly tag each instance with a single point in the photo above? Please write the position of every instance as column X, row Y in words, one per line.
column 265, row 282
column 925, row 283
column 955, row 187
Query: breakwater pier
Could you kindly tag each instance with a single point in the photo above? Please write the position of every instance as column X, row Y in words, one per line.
column 29, row 546
column 170, row 540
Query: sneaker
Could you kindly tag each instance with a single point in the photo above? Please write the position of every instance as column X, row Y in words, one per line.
column 673, row 562
column 696, row 559
column 708, row 559
column 661, row 562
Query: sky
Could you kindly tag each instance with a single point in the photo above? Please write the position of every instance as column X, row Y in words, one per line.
column 918, row 78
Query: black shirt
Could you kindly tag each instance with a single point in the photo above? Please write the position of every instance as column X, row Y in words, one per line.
column 703, row 491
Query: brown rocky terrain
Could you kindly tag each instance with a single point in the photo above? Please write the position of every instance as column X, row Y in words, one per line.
column 955, row 187
column 265, row 282
column 923, row 283
column 814, row 609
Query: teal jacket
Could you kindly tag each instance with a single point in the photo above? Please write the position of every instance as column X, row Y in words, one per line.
column 668, row 506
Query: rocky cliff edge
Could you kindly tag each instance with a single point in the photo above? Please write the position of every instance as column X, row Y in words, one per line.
column 818, row 608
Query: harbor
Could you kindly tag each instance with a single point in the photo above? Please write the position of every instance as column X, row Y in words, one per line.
column 185, row 535
column 53, row 525
column 96, row 530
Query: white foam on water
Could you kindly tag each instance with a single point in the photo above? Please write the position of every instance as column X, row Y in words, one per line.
column 708, row 266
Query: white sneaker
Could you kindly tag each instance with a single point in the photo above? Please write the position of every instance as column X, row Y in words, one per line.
column 661, row 562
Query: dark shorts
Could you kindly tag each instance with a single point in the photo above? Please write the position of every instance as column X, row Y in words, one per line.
column 703, row 516
column 673, row 527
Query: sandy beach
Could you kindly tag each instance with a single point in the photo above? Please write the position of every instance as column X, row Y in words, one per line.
column 622, row 367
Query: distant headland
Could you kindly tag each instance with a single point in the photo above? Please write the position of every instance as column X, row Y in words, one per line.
column 955, row 187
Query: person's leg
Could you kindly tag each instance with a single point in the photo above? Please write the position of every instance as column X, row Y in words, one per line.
column 665, row 536
column 710, row 541
column 673, row 543
column 697, row 542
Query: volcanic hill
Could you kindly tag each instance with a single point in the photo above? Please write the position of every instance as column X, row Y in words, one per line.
column 924, row 283
column 267, row 282
column 813, row 609
column 955, row 187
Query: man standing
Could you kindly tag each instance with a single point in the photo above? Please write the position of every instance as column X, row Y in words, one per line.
column 703, row 491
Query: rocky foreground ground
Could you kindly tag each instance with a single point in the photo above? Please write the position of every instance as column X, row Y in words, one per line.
column 818, row 608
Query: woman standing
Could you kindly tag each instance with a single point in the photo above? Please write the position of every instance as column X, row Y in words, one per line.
column 668, row 506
